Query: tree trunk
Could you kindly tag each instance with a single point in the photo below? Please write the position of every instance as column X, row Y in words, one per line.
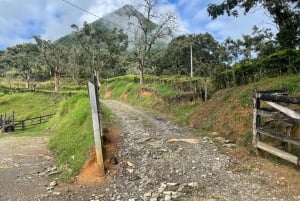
column 205, row 90
column 141, row 76
column 97, row 74
column 76, row 80
column 56, row 81
column 27, row 84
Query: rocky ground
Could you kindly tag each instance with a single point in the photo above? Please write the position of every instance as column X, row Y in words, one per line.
column 25, row 166
column 156, row 161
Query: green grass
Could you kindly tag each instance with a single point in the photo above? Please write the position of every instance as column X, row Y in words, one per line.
column 164, row 90
column 291, row 83
column 181, row 113
column 27, row 105
column 72, row 135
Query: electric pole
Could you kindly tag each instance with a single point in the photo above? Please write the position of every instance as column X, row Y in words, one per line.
column 191, row 47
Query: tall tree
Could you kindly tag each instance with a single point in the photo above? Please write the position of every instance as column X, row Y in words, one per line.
column 148, row 33
column 176, row 57
column 207, row 54
column 261, row 42
column 285, row 14
column 55, row 56
column 25, row 59
column 76, row 66
column 101, row 45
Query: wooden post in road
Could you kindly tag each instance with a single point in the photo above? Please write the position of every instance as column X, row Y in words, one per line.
column 96, row 126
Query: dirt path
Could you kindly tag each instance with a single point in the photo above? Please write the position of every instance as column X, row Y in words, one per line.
column 24, row 165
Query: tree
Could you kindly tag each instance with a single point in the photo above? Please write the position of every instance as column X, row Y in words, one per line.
column 207, row 54
column 25, row 59
column 176, row 57
column 55, row 56
column 76, row 66
column 260, row 43
column 148, row 33
column 101, row 45
column 285, row 14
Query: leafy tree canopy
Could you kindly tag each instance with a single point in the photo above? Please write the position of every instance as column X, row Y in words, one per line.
column 285, row 14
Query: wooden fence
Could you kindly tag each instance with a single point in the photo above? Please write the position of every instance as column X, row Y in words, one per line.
column 22, row 124
column 273, row 117
column 9, row 124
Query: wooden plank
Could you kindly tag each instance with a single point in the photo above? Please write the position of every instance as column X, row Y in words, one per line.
column 285, row 110
column 278, row 117
column 274, row 92
column 278, row 98
column 96, row 126
column 285, row 138
column 277, row 152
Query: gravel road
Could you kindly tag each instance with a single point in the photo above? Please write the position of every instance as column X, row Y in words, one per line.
column 154, row 163
column 24, row 166
column 150, row 168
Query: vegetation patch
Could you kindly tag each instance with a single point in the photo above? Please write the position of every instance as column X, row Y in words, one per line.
column 72, row 135
column 27, row 105
column 229, row 111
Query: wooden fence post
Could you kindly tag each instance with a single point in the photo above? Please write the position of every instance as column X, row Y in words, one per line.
column 13, row 119
column 4, row 123
column 96, row 127
column 256, row 119
column 1, row 123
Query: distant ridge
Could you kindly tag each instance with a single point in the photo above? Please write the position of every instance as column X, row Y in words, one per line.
column 122, row 18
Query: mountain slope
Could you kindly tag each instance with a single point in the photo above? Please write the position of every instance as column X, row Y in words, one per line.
column 124, row 18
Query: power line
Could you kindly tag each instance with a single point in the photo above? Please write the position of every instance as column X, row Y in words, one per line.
column 136, row 33
column 97, row 16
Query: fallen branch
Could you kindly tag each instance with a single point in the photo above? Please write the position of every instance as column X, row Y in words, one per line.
column 192, row 141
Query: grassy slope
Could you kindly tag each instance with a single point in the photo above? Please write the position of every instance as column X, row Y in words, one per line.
column 27, row 104
column 72, row 134
column 229, row 111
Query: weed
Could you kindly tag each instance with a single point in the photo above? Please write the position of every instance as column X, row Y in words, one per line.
column 181, row 113
column 247, row 138
column 245, row 98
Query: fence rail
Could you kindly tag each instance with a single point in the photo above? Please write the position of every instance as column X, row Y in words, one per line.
column 9, row 124
column 277, row 110
column 22, row 124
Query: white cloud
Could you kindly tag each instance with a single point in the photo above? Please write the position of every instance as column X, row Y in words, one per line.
column 101, row 8
column 52, row 18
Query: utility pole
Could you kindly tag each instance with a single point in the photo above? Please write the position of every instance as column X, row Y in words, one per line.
column 93, row 90
column 191, row 50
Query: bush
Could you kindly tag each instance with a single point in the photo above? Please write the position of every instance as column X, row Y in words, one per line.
column 282, row 62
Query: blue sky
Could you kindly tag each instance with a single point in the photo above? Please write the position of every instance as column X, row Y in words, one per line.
column 51, row 19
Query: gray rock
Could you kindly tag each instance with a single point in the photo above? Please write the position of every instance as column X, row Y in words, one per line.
column 57, row 193
column 53, row 184
column 168, row 197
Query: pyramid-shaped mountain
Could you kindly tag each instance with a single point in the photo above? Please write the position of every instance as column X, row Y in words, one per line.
column 124, row 18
